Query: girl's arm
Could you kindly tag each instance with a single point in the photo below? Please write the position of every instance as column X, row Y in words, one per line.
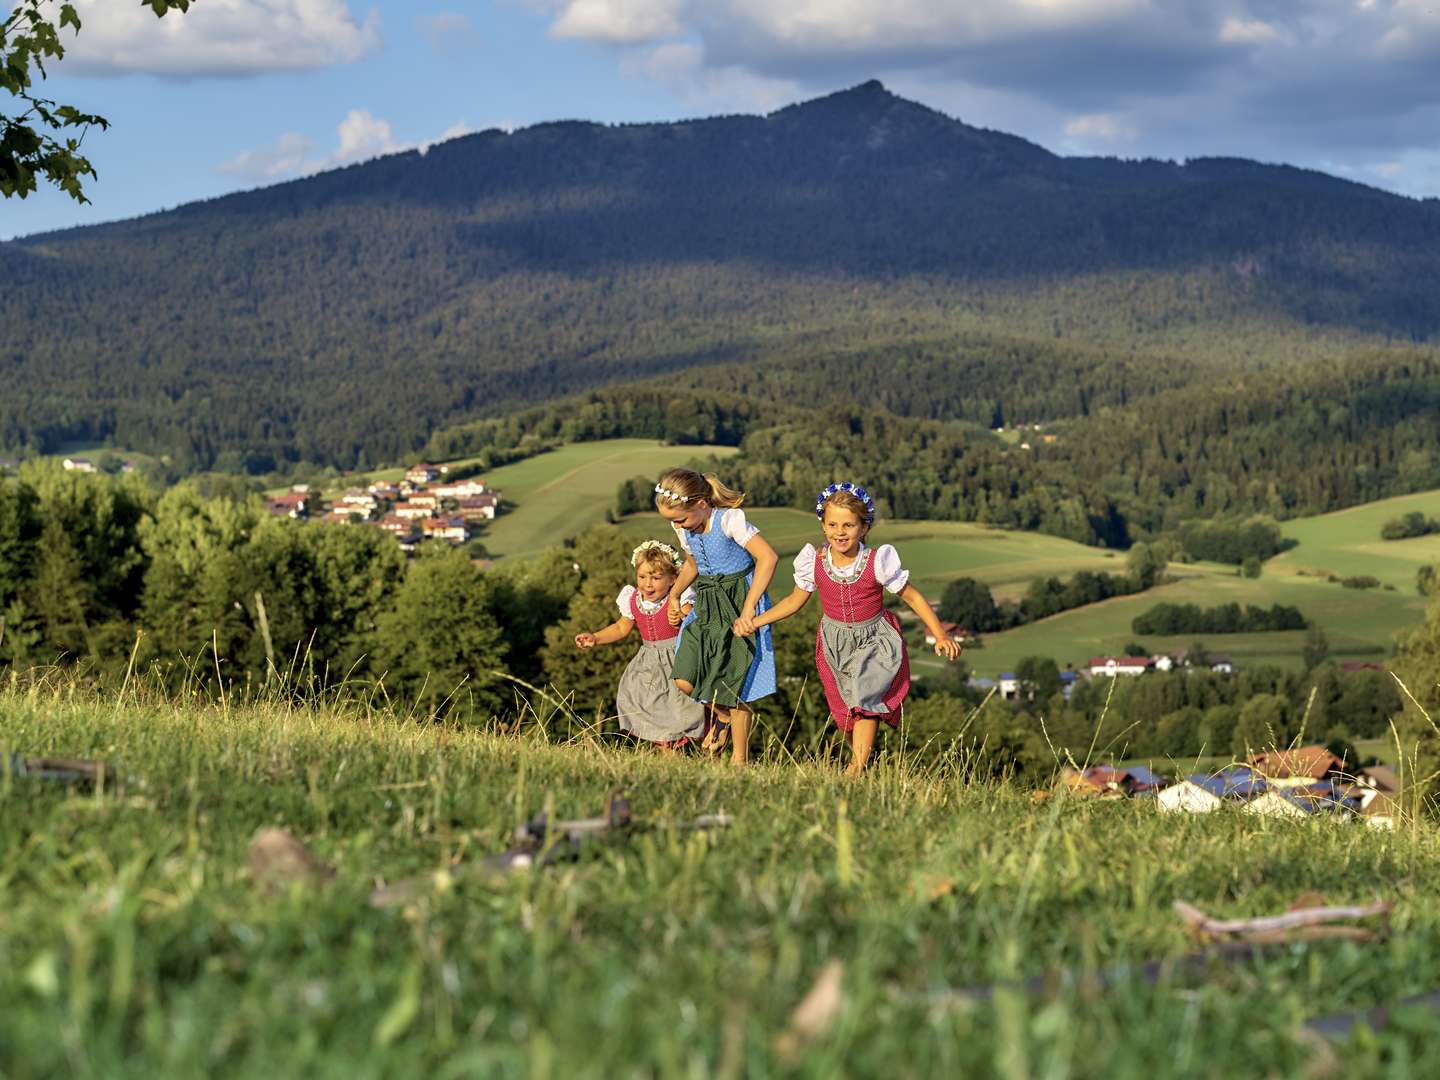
column 945, row 645
column 674, row 613
column 765, row 562
column 797, row 599
column 618, row 630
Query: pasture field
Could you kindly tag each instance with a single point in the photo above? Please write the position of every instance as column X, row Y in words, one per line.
column 1347, row 543
column 137, row 946
column 1359, row 623
column 556, row 495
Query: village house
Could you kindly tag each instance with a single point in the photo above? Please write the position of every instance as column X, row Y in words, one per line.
column 476, row 507
column 1201, row 793
column 394, row 523
column 295, row 504
column 443, row 528
column 413, row 510
column 1298, row 802
column 339, row 513
column 385, row 492
column 363, row 499
column 1009, row 685
column 1299, row 767
column 423, row 474
column 426, row 499
column 1120, row 665
column 78, row 464
column 460, row 489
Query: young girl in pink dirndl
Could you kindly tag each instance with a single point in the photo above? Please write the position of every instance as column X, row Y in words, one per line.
column 859, row 649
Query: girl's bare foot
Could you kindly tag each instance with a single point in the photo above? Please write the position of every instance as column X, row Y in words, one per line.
column 717, row 737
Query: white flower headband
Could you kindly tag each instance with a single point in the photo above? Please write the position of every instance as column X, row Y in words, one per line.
column 672, row 496
column 846, row 486
column 655, row 545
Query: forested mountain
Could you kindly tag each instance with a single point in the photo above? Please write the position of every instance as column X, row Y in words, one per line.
column 938, row 271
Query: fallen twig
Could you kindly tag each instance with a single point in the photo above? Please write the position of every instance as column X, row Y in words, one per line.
column 1267, row 925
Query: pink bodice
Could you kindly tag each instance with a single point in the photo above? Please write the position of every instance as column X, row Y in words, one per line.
column 858, row 602
column 654, row 627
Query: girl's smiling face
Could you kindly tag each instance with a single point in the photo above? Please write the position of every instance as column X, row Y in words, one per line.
column 690, row 515
column 653, row 580
column 844, row 530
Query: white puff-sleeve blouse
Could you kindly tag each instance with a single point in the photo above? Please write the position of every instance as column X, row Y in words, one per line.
column 628, row 593
column 888, row 570
column 732, row 523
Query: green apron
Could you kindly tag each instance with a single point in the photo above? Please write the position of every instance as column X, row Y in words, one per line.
column 711, row 657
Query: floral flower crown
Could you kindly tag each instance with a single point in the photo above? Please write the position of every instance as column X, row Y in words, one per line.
column 672, row 496
column 655, row 545
column 852, row 489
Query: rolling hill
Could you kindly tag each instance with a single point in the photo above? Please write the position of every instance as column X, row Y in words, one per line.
column 345, row 317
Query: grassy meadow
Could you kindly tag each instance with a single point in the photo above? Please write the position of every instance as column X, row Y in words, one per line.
column 136, row 944
column 556, row 495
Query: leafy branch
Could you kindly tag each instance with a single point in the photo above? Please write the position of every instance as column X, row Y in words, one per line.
column 43, row 138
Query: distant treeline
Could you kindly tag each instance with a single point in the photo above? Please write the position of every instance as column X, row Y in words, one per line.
column 1170, row 619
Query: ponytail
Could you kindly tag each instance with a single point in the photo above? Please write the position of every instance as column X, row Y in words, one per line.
column 677, row 487
column 722, row 496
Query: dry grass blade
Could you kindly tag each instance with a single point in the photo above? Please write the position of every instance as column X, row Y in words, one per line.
column 815, row 1013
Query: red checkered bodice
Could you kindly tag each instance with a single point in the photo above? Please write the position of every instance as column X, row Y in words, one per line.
column 857, row 602
column 654, row 627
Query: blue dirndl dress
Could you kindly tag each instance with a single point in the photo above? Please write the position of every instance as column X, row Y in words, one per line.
column 718, row 556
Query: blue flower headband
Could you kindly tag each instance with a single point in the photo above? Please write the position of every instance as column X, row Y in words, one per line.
column 852, row 489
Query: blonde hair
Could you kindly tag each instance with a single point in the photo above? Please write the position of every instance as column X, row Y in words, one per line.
column 845, row 500
column 680, row 487
column 659, row 562
column 659, row 556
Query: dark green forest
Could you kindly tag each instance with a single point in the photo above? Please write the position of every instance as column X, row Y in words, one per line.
column 858, row 251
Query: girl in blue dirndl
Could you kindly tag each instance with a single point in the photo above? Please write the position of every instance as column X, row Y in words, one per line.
column 722, row 660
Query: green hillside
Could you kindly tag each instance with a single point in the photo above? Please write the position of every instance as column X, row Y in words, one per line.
column 557, row 495
column 142, row 943
column 1347, row 543
column 343, row 318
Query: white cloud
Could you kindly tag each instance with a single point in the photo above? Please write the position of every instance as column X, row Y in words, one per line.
column 287, row 157
column 1388, row 170
column 219, row 38
column 363, row 135
column 359, row 137
column 1104, row 127
column 680, row 67
column 619, row 22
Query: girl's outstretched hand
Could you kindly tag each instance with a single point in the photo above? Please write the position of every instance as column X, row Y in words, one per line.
column 585, row 641
column 673, row 615
column 947, row 647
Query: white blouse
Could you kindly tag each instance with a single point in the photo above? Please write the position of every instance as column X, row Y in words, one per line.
column 888, row 570
column 623, row 602
column 732, row 524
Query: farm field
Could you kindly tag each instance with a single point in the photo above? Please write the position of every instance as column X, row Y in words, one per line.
column 140, row 946
column 556, row 495
column 1360, row 624
column 1347, row 543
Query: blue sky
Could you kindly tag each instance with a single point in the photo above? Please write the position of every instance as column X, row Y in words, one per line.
column 240, row 93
